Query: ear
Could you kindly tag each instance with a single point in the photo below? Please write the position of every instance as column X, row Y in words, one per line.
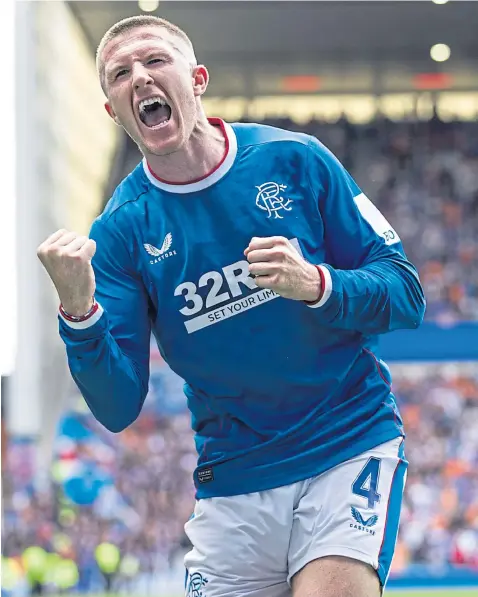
column 200, row 80
column 111, row 113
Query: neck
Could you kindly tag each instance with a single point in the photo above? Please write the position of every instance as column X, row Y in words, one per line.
column 201, row 154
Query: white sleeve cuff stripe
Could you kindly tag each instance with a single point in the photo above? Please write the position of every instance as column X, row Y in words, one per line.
column 83, row 325
column 327, row 289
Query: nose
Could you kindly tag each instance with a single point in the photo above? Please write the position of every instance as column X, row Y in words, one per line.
column 141, row 76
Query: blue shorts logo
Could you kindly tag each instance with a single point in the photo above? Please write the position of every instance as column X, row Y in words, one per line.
column 196, row 584
column 362, row 523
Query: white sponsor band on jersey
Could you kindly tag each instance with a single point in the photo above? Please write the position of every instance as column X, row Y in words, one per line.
column 229, row 310
column 376, row 219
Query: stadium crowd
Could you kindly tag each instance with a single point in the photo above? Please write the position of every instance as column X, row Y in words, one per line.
column 145, row 493
column 439, row 522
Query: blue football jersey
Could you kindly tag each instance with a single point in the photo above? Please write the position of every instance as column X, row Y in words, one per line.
column 279, row 390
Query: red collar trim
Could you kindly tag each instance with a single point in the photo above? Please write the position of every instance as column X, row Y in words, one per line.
column 214, row 122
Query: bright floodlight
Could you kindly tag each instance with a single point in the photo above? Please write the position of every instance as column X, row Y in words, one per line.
column 440, row 52
column 148, row 5
column 440, row 1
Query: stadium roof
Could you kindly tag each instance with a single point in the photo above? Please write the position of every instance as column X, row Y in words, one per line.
column 243, row 42
column 334, row 31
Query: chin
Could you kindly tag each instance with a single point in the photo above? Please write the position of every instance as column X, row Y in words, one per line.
column 160, row 141
column 160, row 149
column 162, row 146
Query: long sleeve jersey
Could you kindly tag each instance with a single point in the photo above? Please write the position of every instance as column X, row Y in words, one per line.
column 279, row 391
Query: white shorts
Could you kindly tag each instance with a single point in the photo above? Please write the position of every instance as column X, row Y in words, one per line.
column 251, row 545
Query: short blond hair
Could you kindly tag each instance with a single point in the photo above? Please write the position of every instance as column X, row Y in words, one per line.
column 136, row 22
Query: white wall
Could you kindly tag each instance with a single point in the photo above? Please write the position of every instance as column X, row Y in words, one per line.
column 65, row 143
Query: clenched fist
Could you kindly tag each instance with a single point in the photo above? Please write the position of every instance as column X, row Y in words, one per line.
column 276, row 264
column 67, row 256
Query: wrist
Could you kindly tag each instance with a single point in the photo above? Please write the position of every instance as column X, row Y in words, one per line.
column 317, row 286
column 78, row 312
column 82, row 322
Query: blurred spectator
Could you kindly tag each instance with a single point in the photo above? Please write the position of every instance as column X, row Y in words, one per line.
column 440, row 513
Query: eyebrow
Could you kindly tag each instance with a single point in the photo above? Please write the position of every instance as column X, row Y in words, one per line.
column 116, row 66
column 120, row 65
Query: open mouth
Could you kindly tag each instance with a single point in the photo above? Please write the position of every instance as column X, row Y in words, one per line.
column 154, row 112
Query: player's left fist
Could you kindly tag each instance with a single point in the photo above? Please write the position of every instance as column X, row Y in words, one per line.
column 276, row 264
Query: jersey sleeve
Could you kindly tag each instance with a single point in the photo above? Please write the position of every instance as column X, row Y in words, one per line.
column 369, row 285
column 109, row 356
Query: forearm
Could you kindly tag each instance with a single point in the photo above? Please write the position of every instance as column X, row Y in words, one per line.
column 380, row 297
column 112, row 384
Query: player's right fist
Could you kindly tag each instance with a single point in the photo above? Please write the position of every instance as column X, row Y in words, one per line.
column 67, row 256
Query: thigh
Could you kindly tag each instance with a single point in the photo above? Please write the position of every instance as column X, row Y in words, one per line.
column 336, row 576
column 239, row 545
column 352, row 511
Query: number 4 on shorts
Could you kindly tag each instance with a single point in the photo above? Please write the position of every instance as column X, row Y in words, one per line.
column 366, row 484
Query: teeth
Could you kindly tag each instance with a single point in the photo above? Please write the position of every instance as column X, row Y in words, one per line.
column 152, row 100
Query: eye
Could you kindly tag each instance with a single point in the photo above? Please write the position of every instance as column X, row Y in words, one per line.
column 120, row 73
column 154, row 61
